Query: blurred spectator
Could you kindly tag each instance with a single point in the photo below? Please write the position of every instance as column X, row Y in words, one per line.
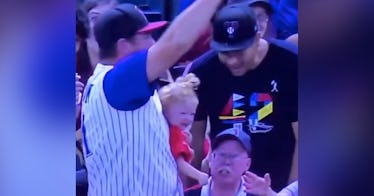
column 285, row 18
column 83, row 71
column 228, row 162
column 83, row 63
column 93, row 9
column 264, row 13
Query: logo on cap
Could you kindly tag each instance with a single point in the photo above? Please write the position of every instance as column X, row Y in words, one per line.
column 231, row 27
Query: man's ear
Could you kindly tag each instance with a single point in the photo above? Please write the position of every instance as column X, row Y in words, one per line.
column 248, row 163
column 210, row 157
column 122, row 46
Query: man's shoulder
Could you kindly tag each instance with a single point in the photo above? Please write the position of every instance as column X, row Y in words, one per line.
column 282, row 59
column 283, row 49
column 100, row 70
column 138, row 57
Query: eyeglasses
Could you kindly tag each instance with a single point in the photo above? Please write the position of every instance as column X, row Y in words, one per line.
column 220, row 156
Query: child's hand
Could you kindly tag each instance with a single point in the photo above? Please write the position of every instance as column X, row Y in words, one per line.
column 203, row 179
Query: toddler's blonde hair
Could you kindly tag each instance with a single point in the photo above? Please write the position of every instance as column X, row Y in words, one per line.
column 184, row 87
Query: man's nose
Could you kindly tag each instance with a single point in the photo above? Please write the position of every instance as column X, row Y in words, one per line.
column 232, row 61
column 227, row 161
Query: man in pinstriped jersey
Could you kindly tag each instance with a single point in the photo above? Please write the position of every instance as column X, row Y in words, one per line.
column 126, row 138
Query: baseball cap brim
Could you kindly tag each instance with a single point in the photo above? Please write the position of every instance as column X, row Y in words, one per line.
column 225, row 47
column 153, row 26
column 225, row 137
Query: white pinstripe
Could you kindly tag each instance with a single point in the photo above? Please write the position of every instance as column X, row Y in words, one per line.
column 130, row 152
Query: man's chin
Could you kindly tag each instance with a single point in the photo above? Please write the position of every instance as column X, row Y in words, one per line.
column 237, row 73
column 227, row 180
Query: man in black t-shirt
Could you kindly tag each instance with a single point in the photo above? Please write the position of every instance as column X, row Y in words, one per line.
column 250, row 85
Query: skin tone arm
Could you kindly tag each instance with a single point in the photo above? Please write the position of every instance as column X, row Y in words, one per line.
column 261, row 186
column 290, row 190
column 186, row 169
column 294, row 168
column 179, row 38
column 293, row 39
column 198, row 135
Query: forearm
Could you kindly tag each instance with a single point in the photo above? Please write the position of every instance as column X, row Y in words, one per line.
column 186, row 169
column 294, row 167
column 198, row 136
column 183, row 32
column 291, row 189
column 190, row 24
column 270, row 192
column 198, row 155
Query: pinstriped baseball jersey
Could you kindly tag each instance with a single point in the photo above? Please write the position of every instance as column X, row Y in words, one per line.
column 126, row 151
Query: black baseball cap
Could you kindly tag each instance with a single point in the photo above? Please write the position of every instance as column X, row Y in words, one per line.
column 233, row 134
column 234, row 28
column 122, row 21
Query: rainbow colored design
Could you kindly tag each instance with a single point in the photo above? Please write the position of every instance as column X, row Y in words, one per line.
column 231, row 113
column 264, row 111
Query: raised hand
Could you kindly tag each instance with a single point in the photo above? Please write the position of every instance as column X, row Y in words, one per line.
column 256, row 185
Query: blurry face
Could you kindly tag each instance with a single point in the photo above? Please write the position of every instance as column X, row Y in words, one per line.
column 262, row 19
column 228, row 162
column 181, row 113
column 241, row 61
